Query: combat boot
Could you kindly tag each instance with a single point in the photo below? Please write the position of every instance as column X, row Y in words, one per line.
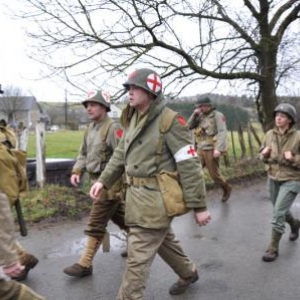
column 272, row 251
column 226, row 192
column 181, row 285
column 27, row 293
column 84, row 266
column 29, row 261
column 295, row 226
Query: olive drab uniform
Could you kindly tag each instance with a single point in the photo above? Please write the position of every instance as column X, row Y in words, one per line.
column 210, row 134
column 10, row 289
column 13, row 183
column 283, row 179
column 145, row 213
column 100, row 140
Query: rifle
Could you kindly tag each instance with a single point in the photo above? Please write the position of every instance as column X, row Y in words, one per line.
column 21, row 221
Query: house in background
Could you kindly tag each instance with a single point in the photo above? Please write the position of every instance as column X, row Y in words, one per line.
column 25, row 109
column 115, row 112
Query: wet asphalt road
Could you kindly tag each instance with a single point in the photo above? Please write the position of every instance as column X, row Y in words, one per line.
column 227, row 252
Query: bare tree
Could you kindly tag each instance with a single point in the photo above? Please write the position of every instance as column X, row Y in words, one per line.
column 250, row 42
column 10, row 103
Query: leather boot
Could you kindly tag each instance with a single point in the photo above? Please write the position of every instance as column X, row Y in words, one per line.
column 27, row 260
column 27, row 293
column 295, row 226
column 181, row 285
column 84, row 266
column 226, row 192
column 272, row 251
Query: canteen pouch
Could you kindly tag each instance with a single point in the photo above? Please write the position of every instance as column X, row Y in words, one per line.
column 171, row 193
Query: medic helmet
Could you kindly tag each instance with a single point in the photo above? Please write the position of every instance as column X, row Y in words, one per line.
column 146, row 79
column 287, row 109
column 100, row 97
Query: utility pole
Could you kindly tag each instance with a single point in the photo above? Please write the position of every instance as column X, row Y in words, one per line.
column 66, row 109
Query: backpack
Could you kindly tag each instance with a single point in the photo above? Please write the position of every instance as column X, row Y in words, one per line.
column 14, row 160
column 168, row 182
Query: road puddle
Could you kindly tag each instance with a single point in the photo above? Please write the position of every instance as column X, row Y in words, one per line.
column 75, row 247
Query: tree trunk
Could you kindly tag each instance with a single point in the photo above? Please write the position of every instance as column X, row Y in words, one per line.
column 267, row 86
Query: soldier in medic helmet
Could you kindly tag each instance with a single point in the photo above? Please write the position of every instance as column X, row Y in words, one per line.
column 156, row 144
column 281, row 152
column 99, row 142
column 210, row 132
column 101, row 97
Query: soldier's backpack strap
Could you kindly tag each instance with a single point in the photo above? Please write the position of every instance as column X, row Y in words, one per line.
column 105, row 156
column 165, row 123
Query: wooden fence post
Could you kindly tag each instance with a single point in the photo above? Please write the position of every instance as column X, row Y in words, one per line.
column 250, row 142
column 233, row 145
column 255, row 135
column 23, row 139
column 40, row 154
column 242, row 142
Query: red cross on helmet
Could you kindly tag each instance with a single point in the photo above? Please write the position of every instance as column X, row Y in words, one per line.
column 98, row 96
column 146, row 79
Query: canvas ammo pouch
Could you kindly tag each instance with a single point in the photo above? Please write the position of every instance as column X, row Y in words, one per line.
column 171, row 193
column 168, row 182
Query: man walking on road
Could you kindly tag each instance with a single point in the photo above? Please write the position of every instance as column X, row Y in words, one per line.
column 158, row 158
column 100, row 139
column 281, row 153
column 211, row 137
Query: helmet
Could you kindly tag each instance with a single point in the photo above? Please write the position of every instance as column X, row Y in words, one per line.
column 287, row 109
column 100, row 97
column 203, row 101
column 146, row 79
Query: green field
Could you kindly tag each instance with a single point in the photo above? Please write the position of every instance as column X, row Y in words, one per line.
column 65, row 144
column 60, row 144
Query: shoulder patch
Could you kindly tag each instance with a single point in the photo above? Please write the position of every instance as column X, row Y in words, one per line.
column 181, row 120
column 119, row 132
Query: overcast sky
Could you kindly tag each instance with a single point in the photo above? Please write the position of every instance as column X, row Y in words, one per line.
column 16, row 68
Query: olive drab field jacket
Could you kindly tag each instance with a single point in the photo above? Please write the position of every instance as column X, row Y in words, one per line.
column 7, row 255
column 278, row 167
column 137, row 156
column 99, row 143
column 210, row 130
column 94, row 153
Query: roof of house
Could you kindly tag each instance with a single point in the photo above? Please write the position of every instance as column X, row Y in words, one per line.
column 24, row 103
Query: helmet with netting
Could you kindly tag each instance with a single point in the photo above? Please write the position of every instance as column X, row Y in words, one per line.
column 100, row 97
column 146, row 79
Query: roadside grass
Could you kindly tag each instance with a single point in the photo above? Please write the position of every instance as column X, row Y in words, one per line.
column 59, row 144
column 54, row 201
